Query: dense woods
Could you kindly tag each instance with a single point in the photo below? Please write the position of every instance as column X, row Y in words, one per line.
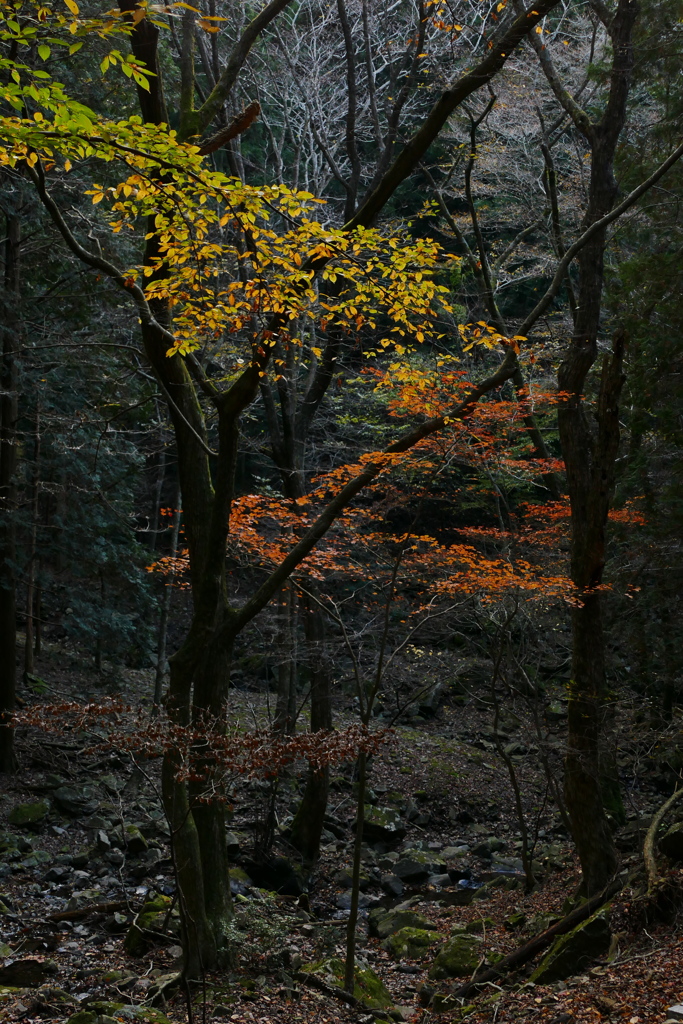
column 340, row 507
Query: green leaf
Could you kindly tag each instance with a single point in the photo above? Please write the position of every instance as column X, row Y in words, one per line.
column 44, row 51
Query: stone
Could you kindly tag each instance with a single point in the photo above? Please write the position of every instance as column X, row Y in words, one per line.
column 676, row 1012
column 457, row 958
column 383, row 825
column 514, row 921
column 452, row 852
column 27, row 973
column 29, row 815
column 368, row 988
column 481, row 924
column 671, row 844
column 76, row 801
column 151, row 917
column 442, row 1002
column 343, row 901
column 233, row 844
column 135, row 841
column 410, row 943
column 383, row 923
column 573, row 953
column 418, row 865
column 392, row 885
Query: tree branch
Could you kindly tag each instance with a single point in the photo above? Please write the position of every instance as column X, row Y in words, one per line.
column 595, row 227
column 450, row 99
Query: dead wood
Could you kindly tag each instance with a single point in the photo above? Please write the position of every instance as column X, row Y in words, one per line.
column 336, row 993
column 94, row 908
column 529, row 950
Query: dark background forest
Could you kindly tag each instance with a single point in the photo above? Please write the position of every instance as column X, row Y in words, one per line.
column 340, row 509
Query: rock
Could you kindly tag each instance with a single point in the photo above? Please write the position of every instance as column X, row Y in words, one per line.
column 275, row 874
column 57, row 874
column 457, row 958
column 482, row 850
column 151, row 917
column 135, row 841
column 440, row 881
column 383, row 923
column 392, row 885
column 76, row 801
column 480, row 925
column 514, row 921
column 10, row 843
column 671, row 844
column 344, row 877
column 572, row 953
column 383, row 825
column 83, row 1017
column 368, row 987
column 418, row 865
column 232, row 843
column 412, row 943
column 442, row 1002
column 26, row 973
column 343, row 901
column 451, row 852
column 676, row 1012
column 29, row 815
column 127, row 1012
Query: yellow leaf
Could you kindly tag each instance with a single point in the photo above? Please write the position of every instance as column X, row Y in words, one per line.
column 73, row 7
column 67, row 165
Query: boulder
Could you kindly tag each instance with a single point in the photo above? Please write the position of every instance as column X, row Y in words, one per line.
column 457, row 958
column 410, row 943
column 135, row 841
column 392, row 885
column 383, row 825
column 120, row 1011
column 671, row 844
column 151, row 918
column 368, row 987
column 76, row 800
column 29, row 815
column 573, row 953
column 26, row 973
column 418, row 865
column 383, row 923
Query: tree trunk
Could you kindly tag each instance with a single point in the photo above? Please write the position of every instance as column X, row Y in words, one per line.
column 589, row 449
column 8, row 461
column 308, row 822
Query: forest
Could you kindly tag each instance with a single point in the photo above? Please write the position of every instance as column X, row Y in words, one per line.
column 341, row 496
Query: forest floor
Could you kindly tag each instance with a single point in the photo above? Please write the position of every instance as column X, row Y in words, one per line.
column 73, row 880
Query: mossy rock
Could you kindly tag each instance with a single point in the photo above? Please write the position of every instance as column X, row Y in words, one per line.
column 480, row 925
column 83, row 1017
column 368, row 987
column 572, row 953
column 412, row 943
column 29, row 815
column 383, row 824
column 135, row 841
column 104, row 1008
column 383, row 923
column 457, row 958
column 151, row 918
